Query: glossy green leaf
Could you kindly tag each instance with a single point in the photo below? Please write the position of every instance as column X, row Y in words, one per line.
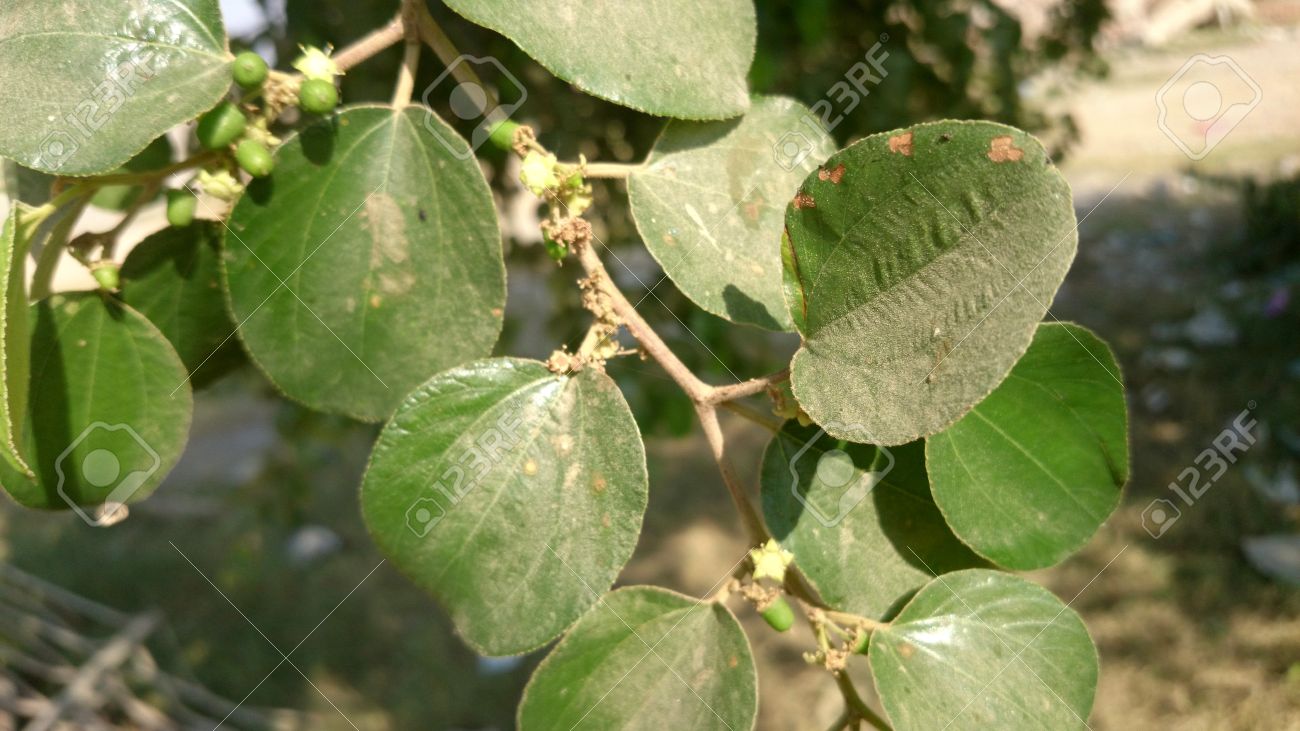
column 980, row 650
column 646, row 658
column 108, row 407
column 918, row 275
column 88, row 83
column 174, row 279
column 513, row 494
column 158, row 154
column 858, row 518
column 710, row 204
column 15, row 364
column 1047, row 453
column 368, row 261
column 674, row 58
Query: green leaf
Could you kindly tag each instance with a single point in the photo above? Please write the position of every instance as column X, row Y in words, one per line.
column 646, row 658
column 89, row 83
column 512, row 494
column 710, row 204
column 15, row 363
column 368, row 261
column 1047, row 453
column 980, row 649
column 858, row 518
column 24, row 184
column 108, row 408
column 918, row 278
column 174, row 279
column 120, row 197
column 674, row 58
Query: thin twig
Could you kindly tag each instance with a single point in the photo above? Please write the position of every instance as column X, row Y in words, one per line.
column 410, row 56
column 696, row 389
column 768, row 421
column 148, row 176
column 374, row 42
column 859, row 707
column 717, row 444
column 747, row 388
column 47, row 262
column 145, row 196
column 612, row 170
column 443, row 47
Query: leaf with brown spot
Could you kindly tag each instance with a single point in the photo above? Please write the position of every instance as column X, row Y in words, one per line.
column 338, row 222
column 709, row 204
column 469, row 495
column 917, row 282
column 1002, row 149
column 901, row 143
column 835, row 175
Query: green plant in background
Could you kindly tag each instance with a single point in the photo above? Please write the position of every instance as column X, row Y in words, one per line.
column 933, row 430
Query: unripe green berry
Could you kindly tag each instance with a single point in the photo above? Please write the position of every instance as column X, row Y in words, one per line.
column 254, row 158
column 317, row 96
column 106, row 274
column 249, row 70
column 503, row 135
column 180, row 207
column 221, row 126
column 778, row 614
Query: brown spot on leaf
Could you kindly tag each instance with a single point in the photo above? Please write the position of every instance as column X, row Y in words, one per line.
column 906, row 650
column 803, row 200
column 497, row 312
column 375, row 300
column 605, row 521
column 598, row 483
column 733, row 661
column 901, row 144
column 835, row 174
column 1001, row 149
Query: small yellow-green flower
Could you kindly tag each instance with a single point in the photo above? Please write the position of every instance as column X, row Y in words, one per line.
column 770, row 561
column 258, row 132
column 538, row 172
column 220, row 184
column 317, row 64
